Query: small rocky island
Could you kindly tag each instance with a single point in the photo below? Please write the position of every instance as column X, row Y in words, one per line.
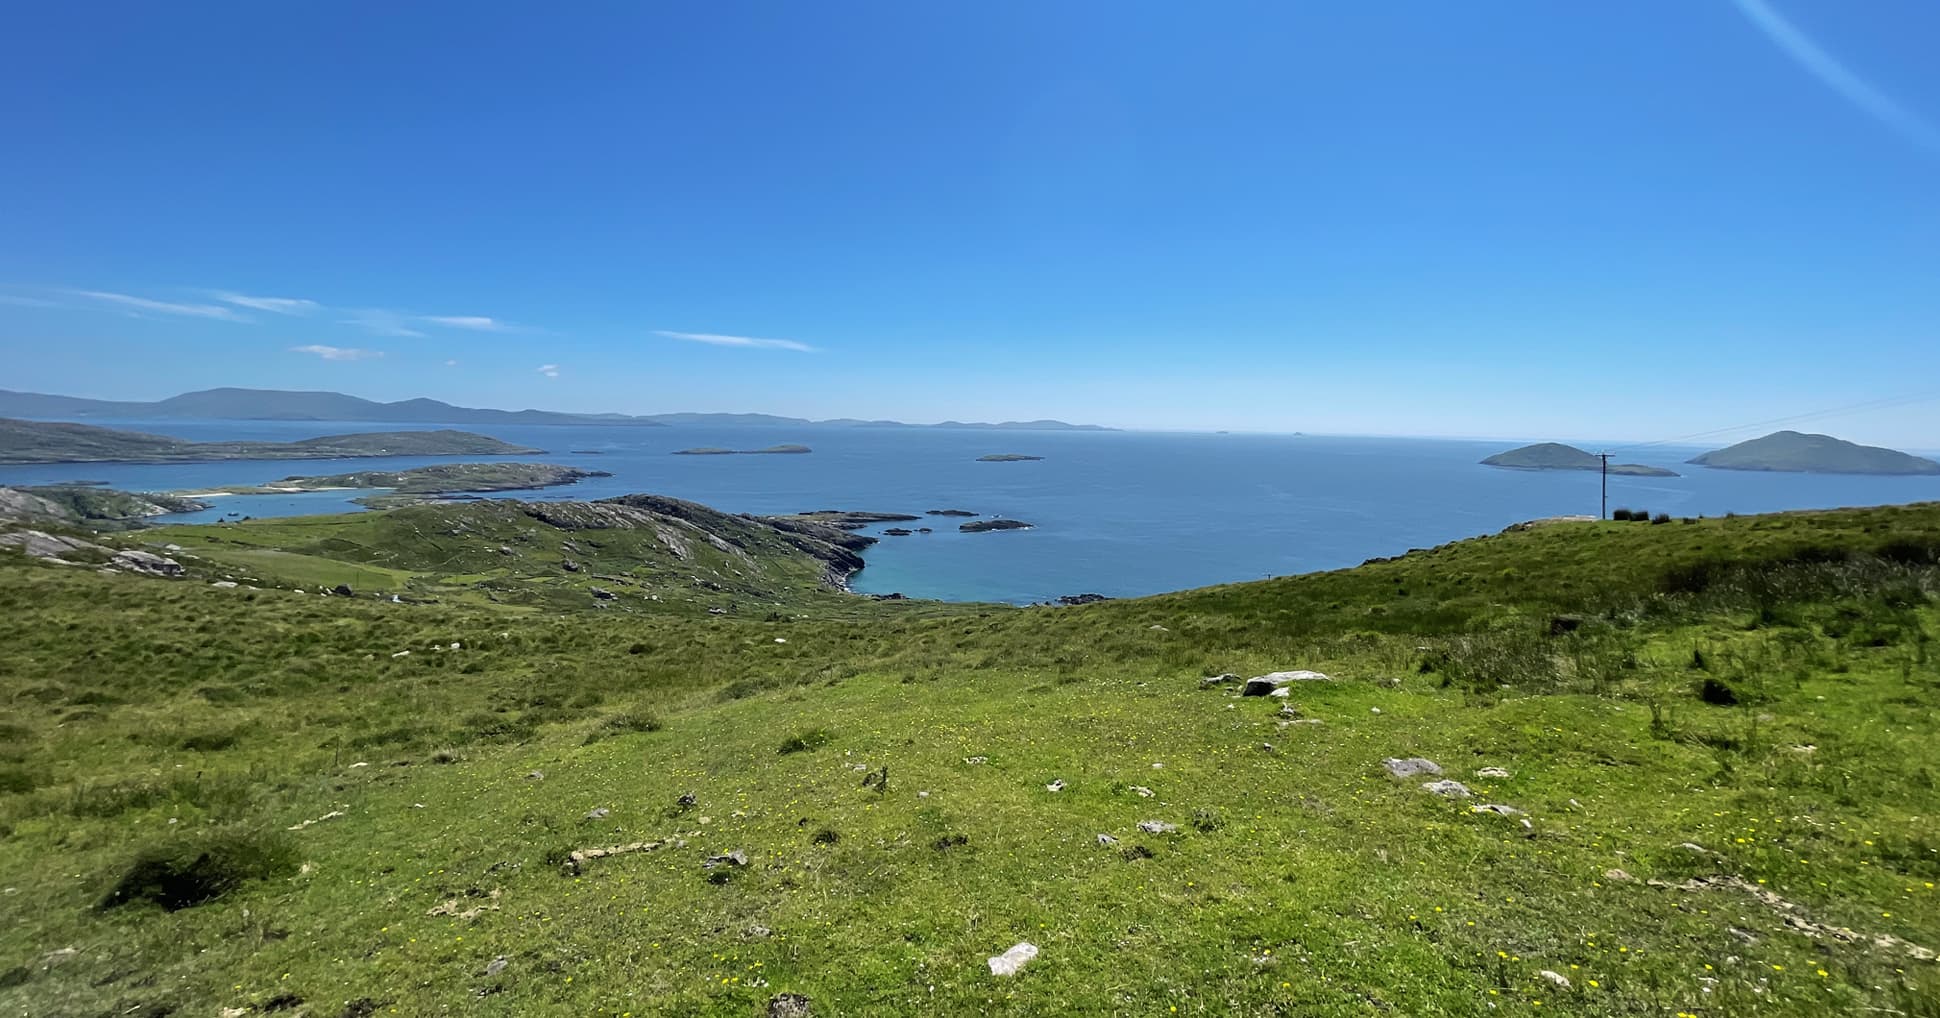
column 980, row 526
column 845, row 519
column 1007, row 457
column 1557, row 456
column 773, row 450
column 1795, row 452
column 948, row 512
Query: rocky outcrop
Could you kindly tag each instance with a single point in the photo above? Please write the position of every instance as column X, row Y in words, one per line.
column 20, row 505
column 147, row 563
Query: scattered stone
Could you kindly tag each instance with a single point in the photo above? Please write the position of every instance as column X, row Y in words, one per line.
column 1562, row 624
column 1374, row 710
column 1559, row 980
column 1143, row 792
column 601, row 593
column 734, row 858
column 1491, row 772
column 1447, row 788
column 687, row 801
column 596, row 814
column 224, row 584
column 1055, row 786
column 332, row 815
column 1212, row 681
column 1008, row 963
column 569, row 565
column 402, row 653
column 1106, row 841
column 1410, row 766
column 576, row 861
column 343, row 590
column 536, row 776
column 455, row 907
column 1497, row 809
column 717, row 611
column 1267, row 746
column 1388, row 682
column 789, row 1005
column 1157, row 827
column 976, row 759
column 1283, row 693
column 497, row 965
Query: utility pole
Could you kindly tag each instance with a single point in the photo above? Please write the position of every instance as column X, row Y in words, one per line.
column 1605, row 457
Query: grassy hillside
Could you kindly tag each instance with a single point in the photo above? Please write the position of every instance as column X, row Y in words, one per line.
column 1718, row 733
column 55, row 442
column 1794, row 452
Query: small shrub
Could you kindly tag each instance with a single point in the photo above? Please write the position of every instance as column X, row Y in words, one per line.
column 1207, row 821
column 1660, row 519
column 192, row 870
column 802, row 742
column 949, row 841
column 826, row 836
column 1621, row 514
column 211, row 742
column 16, row 781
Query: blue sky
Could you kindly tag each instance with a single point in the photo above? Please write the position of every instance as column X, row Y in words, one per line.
column 1623, row 221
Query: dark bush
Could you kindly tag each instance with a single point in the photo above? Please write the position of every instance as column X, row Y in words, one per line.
column 1620, row 514
column 1717, row 693
column 826, row 836
column 193, row 870
column 1660, row 519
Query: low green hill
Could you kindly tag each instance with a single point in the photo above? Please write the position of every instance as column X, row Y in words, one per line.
column 1557, row 456
column 1698, row 760
column 1794, row 452
column 56, row 442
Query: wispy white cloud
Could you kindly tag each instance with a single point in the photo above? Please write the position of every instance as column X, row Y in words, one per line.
column 279, row 305
column 379, row 322
column 29, row 302
column 451, row 364
column 337, row 353
column 1836, row 76
column 476, row 322
column 744, row 342
column 163, row 307
column 549, row 370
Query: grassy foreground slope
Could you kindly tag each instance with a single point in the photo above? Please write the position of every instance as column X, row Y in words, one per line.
column 1720, row 735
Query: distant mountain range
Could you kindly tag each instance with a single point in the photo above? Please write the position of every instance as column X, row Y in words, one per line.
column 64, row 442
column 282, row 405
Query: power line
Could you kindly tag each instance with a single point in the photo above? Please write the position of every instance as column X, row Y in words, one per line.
column 1875, row 404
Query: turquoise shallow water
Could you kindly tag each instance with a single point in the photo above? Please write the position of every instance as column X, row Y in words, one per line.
column 1116, row 513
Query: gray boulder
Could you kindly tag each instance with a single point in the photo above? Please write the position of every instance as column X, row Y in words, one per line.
column 1264, row 685
column 38, row 544
column 1411, row 766
column 1447, row 789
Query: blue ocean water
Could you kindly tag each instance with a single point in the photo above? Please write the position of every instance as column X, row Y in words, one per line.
column 1116, row 513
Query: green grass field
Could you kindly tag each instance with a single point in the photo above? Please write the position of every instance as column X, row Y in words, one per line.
column 1719, row 733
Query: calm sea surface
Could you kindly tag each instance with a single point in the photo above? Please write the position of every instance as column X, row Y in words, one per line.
column 1117, row 513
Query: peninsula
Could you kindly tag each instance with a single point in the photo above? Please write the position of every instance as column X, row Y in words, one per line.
column 55, row 442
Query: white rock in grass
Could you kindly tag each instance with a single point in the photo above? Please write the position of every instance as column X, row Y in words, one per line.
column 1491, row 772
column 1055, row 786
column 1447, row 788
column 1008, row 963
column 1561, row 981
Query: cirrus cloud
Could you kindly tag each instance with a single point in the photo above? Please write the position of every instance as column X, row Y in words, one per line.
column 337, row 353
column 279, row 305
column 743, row 342
column 549, row 370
